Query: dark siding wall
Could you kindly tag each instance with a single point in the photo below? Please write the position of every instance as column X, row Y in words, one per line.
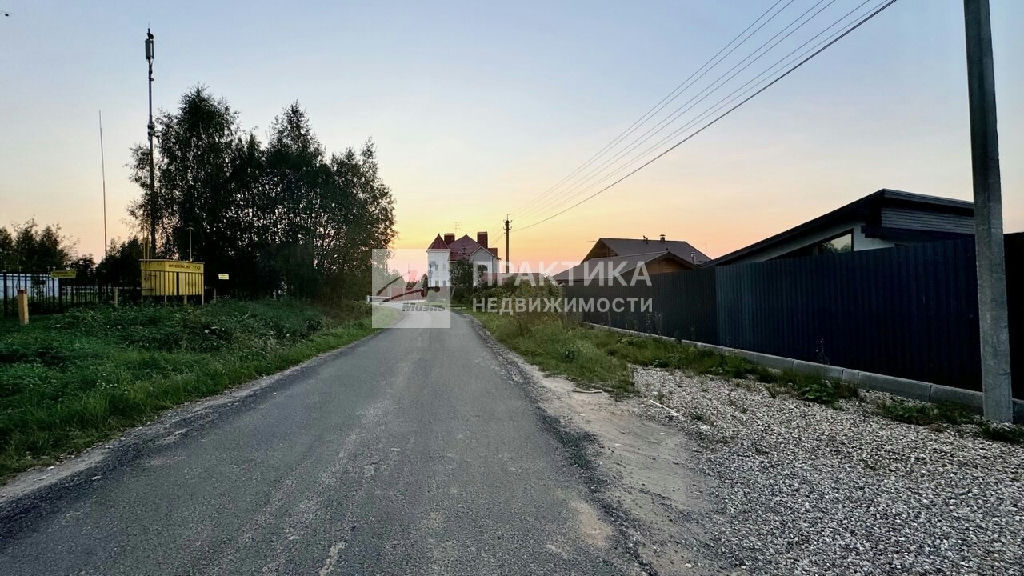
column 924, row 220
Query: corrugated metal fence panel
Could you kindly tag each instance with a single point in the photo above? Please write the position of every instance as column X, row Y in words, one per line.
column 906, row 312
column 690, row 313
column 1015, row 306
column 909, row 311
column 683, row 305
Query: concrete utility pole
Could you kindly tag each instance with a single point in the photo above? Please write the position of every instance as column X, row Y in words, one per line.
column 152, row 159
column 507, row 222
column 988, row 216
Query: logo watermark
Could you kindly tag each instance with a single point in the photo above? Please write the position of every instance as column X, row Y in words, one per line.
column 410, row 289
column 414, row 288
column 561, row 305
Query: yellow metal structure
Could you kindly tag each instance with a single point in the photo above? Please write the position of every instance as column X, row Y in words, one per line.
column 172, row 278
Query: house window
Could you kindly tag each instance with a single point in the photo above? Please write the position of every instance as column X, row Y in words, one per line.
column 837, row 244
column 841, row 243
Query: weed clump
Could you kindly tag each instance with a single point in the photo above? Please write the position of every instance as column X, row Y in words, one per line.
column 925, row 413
column 1002, row 432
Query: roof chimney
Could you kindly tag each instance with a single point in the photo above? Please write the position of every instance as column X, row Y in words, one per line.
column 449, row 238
column 662, row 237
column 481, row 239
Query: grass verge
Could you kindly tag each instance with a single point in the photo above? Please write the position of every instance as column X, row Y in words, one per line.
column 601, row 358
column 68, row 381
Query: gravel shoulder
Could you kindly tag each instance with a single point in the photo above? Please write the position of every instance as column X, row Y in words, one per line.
column 705, row 476
column 811, row 489
column 643, row 472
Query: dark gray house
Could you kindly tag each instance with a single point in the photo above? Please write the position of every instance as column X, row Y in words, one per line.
column 883, row 219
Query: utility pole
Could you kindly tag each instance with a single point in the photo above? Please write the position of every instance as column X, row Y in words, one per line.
column 988, row 216
column 507, row 222
column 152, row 159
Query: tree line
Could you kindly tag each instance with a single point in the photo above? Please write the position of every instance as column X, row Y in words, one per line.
column 282, row 216
column 29, row 248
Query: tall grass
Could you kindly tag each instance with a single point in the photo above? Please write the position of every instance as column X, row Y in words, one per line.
column 68, row 381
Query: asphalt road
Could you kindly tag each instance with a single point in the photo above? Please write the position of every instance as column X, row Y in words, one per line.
column 409, row 453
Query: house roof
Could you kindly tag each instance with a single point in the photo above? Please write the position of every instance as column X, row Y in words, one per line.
column 437, row 244
column 628, row 246
column 888, row 214
column 623, row 265
column 463, row 248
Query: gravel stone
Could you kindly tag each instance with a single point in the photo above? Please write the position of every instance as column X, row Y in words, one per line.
column 804, row 488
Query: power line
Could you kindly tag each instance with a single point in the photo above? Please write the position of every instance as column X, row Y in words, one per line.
column 831, row 43
column 582, row 186
column 799, row 22
column 679, row 89
column 719, row 105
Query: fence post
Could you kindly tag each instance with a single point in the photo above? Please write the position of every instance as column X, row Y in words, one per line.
column 22, row 307
column 115, row 296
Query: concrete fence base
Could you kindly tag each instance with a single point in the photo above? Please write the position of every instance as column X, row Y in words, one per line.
column 914, row 389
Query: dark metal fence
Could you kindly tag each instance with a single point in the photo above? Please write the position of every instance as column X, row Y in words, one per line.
column 910, row 311
column 47, row 295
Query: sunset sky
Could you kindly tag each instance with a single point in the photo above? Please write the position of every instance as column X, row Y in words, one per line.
column 478, row 107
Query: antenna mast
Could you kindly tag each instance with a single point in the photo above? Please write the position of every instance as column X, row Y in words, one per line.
column 103, row 175
column 152, row 161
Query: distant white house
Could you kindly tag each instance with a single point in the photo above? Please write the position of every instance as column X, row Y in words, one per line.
column 445, row 250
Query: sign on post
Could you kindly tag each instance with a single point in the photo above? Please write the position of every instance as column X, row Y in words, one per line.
column 66, row 274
